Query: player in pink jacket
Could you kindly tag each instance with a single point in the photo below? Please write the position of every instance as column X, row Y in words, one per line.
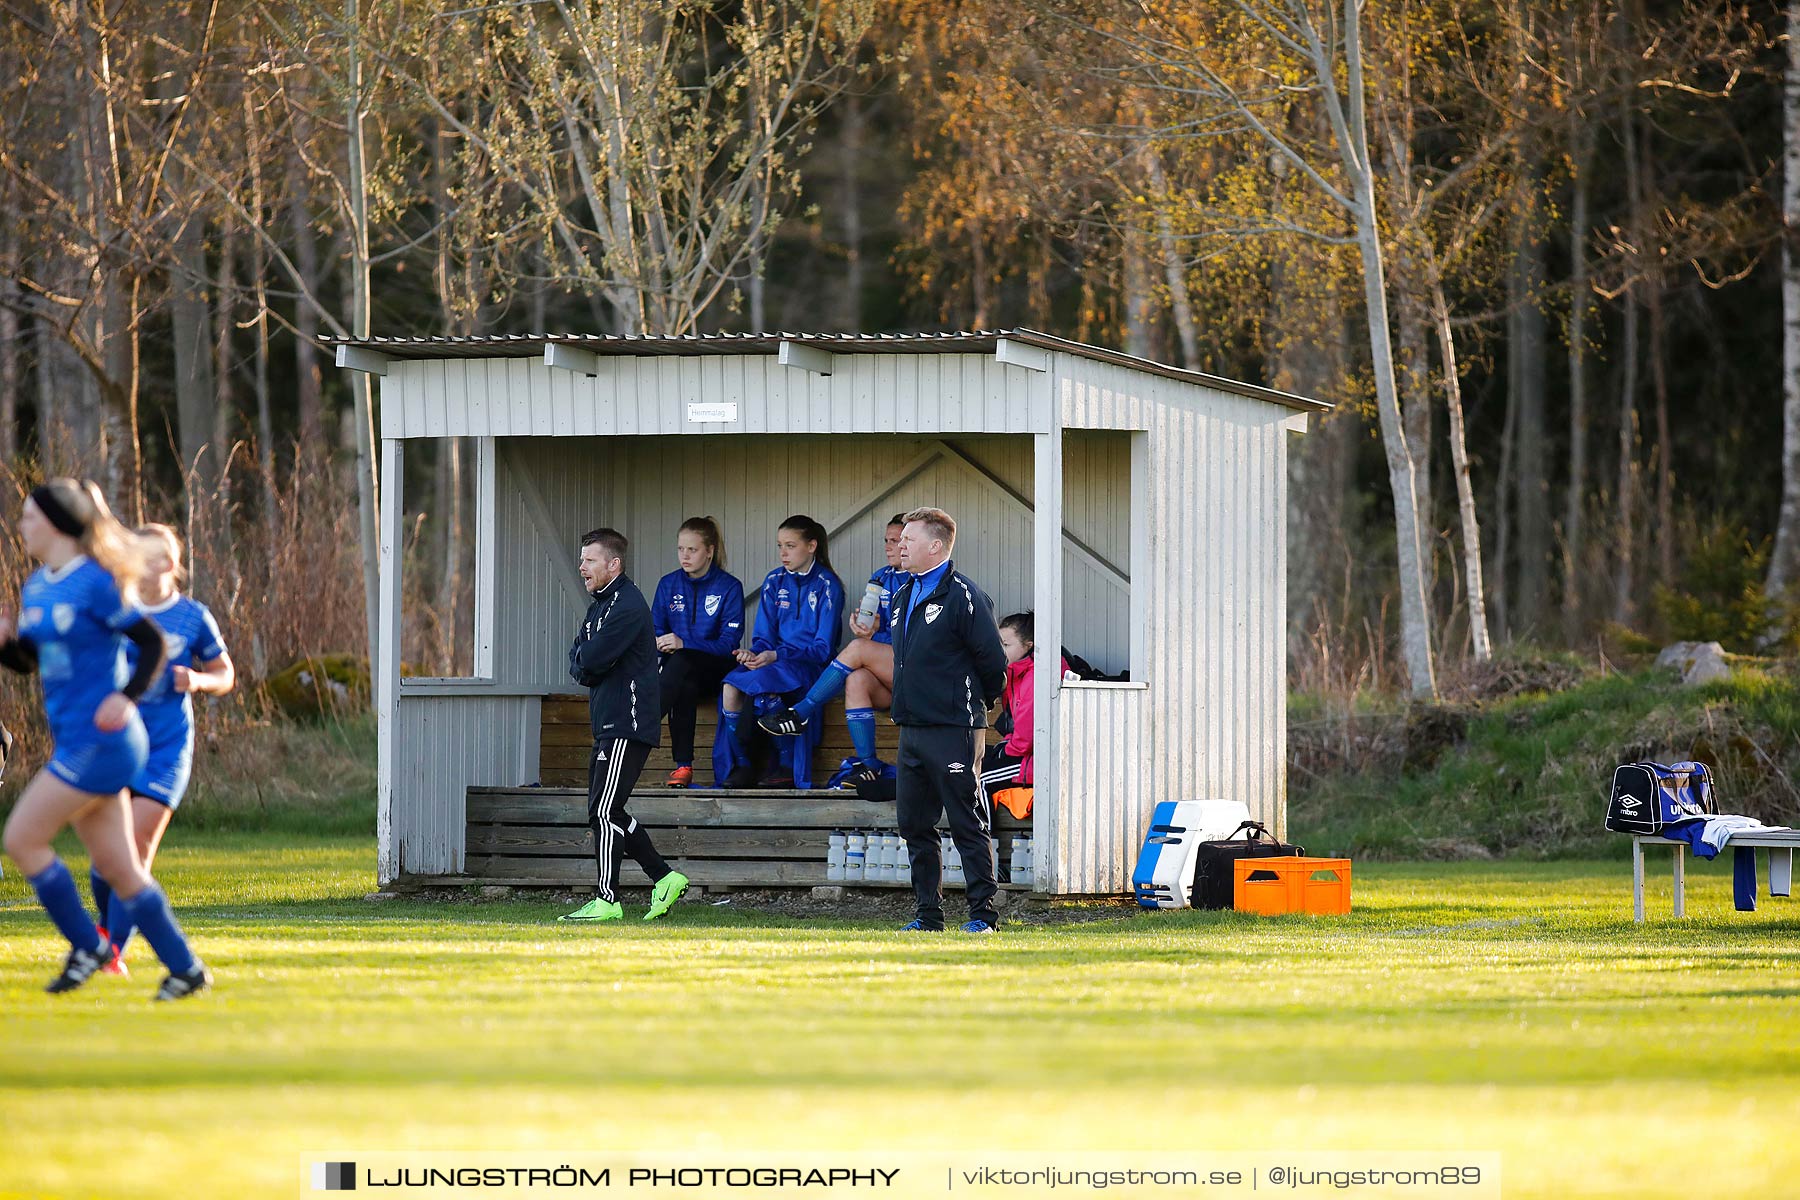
column 1009, row 762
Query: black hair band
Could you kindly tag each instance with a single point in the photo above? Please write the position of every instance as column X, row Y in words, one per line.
column 54, row 511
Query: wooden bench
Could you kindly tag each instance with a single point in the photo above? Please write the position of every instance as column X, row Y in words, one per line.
column 539, row 836
column 1775, row 841
column 566, row 740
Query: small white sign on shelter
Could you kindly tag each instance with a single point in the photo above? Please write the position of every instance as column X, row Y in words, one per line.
column 713, row 414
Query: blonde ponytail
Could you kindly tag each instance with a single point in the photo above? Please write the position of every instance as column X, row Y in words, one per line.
column 103, row 538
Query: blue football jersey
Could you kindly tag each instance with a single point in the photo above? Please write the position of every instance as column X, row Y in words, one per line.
column 73, row 617
column 191, row 637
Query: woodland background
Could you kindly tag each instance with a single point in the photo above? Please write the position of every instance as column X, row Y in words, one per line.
column 1537, row 255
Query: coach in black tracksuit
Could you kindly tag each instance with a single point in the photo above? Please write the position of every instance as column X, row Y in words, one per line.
column 948, row 670
column 614, row 657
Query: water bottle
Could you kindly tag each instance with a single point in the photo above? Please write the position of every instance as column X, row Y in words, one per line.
column 880, row 858
column 890, row 857
column 854, row 849
column 834, row 857
column 1021, row 868
column 902, row 861
column 870, row 605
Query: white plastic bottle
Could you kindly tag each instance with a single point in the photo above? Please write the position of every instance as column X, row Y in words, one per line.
column 890, row 857
column 1021, row 865
column 878, row 857
column 902, row 861
column 834, row 857
column 854, row 852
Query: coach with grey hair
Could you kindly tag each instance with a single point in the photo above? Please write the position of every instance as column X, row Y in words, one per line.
column 948, row 671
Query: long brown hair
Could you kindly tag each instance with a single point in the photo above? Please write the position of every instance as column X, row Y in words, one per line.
column 103, row 538
column 812, row 531
column 708, row 529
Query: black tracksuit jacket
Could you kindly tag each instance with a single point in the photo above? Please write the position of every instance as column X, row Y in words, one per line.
column 948, row 664
column 614, row 657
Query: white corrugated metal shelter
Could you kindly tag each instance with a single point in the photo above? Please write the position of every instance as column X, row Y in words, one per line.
column 1140, row 509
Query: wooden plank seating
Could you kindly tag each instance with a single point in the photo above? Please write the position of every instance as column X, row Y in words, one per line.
column 539, row 836
column 566, row 740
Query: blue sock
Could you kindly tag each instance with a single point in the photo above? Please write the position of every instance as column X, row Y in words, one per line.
column 149, row 911
column 862, row 732
column 103, row 894
column 1743, row 878
column 119, row 925
column 728, row 726
column 829, row 683
column 57, row 892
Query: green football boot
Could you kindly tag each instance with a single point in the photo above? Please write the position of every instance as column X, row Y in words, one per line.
column 667, row 891
column 596, row 910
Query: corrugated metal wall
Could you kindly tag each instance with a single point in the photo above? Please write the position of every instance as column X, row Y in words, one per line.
column 444, row 745
column 1094, row 827
column 870, row 393
column 1211, row 585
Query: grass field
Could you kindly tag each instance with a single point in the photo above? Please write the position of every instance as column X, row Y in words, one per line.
column 1473, row 1007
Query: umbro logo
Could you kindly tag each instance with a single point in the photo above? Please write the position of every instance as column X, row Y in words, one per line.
column 957, row 768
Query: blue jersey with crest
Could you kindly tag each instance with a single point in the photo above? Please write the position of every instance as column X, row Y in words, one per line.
column 191, row 637
column 888, row 579
column 799, row 614
column 73, row 616
column 707, row 613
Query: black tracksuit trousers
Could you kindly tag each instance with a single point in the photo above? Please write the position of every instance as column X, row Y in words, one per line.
column 938, row 773
column 612, row 772
column 688, row 677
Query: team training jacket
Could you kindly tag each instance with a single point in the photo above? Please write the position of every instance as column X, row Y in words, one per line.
column 1021, row 706
column 799, row 614
column 953, row 642
column 888, row 579
column 614, row 657
column 707, row 613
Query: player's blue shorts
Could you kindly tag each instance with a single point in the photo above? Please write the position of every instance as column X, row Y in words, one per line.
column 164, row 778
column 101, row 763
column 777, row 679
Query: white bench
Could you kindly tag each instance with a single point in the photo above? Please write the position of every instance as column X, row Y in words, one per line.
column 1775, row 841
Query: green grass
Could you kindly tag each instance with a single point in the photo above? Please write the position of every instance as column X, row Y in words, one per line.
column 1476, row 1007
column 1533, row 773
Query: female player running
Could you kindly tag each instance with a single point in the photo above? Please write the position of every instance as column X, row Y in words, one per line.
column 698, row 619
column 862, row 670
column 796, row 631
column 78, row 612
column 197, row 663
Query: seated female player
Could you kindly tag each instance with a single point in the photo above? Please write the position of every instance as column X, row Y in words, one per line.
column 863, row 670
column 698, row 618
column 796, row 631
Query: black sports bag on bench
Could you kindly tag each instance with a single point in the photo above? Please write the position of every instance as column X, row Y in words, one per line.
column 1212, row 861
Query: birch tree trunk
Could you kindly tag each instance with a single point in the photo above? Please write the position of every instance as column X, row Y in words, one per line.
column 1479, row 643
column 1784, row 563
column 1174, row 269
column 1351, row 130
column 1136, row 262
column 360, row 383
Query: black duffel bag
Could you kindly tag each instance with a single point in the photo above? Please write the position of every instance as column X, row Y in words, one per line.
column 1213, row 883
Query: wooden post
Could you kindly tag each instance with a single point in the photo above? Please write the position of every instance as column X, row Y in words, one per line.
column 385, row 668
column 1049, row 807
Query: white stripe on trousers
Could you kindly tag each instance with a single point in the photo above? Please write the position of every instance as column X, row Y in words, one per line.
column 609, row 790
column 988, row 779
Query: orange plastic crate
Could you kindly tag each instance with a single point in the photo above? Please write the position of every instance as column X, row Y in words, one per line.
column 1272, row 886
